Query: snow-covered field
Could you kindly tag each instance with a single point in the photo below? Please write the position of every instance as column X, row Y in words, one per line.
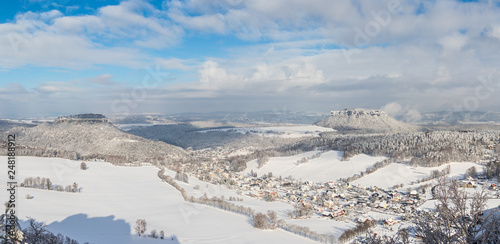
column 397, row 173
column 113, row 198
column 328, row 167
column 284, row 131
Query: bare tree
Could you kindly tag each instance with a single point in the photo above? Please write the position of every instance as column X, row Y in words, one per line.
column 260, row 221
column 49, row 184
column 44, row 182
column 404, row 235
column 459, row 217
column 35, row 232
column 140, row 226
column 273, row 217
column 472, row 172
column 75, row 187
column 301, row 210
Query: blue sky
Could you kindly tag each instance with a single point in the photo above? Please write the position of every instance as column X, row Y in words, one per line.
column 137, row 56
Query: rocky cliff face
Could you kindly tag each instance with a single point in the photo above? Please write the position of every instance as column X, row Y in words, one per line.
column 358, row 112
column 83, row 118
column 365, row 120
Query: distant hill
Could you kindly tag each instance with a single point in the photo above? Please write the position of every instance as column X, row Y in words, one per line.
column 457, row 117
column 89, row 140
column 275, row 116
column 6, row 125
column 364, row 120
column 83, row 118
column 142, row 119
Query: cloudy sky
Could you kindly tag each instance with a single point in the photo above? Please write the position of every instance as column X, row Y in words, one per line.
column 127, row 57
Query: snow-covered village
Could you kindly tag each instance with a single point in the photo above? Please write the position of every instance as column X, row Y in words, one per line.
column 249, row 121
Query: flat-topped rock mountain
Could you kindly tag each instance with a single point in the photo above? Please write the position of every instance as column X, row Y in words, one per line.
column 365, row 120
column 90, row 137
column 83, row 118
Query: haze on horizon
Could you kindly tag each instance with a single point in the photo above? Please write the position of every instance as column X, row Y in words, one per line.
column 138, row 56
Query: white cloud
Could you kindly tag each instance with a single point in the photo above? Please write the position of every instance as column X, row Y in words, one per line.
column 114, row 36
column 12, row 88
column 392, row 109
column 213, row 77
column 176, row 63
column 408, row 114
column 57, row 87
column 454, row 42
column 291, row 49
column 413, row 115
column 262, row 77
column 495, row 32
column 104, row 79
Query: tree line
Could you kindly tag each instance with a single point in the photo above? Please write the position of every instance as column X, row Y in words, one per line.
column 428, row 149
column 46, row 184
column 360, row 228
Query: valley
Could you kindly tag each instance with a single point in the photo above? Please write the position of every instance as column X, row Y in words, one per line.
column 318, row 182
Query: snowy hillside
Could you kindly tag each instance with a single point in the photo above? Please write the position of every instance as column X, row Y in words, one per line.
column 397, row 173
column 88, row 141
column 327, row 167
column 112, row 198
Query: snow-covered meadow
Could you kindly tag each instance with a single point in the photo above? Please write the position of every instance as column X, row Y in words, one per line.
column 397, row 173
column 328, row 167
column 112, row 198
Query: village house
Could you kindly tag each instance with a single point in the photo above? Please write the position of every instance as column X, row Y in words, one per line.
column 391, row 222
column 414, row 194
column 493, row 186
column 333, row 213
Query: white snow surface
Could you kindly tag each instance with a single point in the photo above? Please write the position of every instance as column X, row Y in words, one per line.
column 328, row 167
column 112, row 198
column 397, row 173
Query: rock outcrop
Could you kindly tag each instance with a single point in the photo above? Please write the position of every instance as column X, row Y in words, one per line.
column 365, row 120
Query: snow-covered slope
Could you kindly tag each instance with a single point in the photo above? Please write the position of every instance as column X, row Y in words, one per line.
column 327, row 167
column 114, row 197
column 364, row 120
column 86, row 140
column 397, row 173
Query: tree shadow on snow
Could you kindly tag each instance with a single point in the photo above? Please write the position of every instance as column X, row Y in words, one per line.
column 102, row 230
